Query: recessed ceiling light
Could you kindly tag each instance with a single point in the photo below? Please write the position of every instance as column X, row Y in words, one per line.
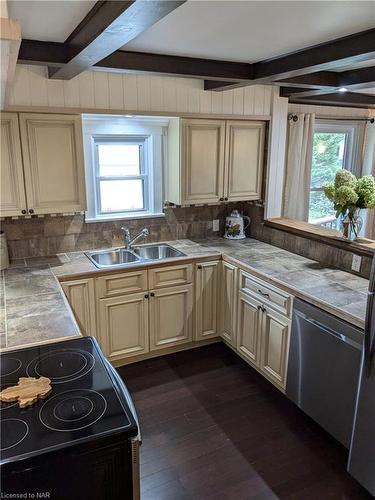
column 343, row 89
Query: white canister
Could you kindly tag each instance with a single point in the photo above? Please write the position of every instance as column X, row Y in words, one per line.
column 4, row 256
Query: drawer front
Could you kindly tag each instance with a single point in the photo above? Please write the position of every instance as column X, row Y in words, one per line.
column 119, row 284
column 266, row 292
column 170, row 276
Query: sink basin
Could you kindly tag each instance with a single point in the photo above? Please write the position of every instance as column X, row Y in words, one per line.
column 157, row 252
column 117, row 257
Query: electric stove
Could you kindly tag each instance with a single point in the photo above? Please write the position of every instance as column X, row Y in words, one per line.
column 88, row 409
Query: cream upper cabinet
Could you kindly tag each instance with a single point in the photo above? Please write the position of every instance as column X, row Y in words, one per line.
column 53, row 162
column 203, row 160
column 244, row 146
column 249, row 327
column 81, row 297
column 171, row 321
column 13, row 198
column 207, row 282
column 209, row 161
column 124, row 325
column 275, row 346
column 228, row 303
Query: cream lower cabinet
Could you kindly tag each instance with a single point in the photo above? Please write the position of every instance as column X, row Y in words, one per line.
column 228, row 302
column 171, row 316
column 124, row 325
column 81, row 297
column 207, row 283
column 263, row 338
column 274, row 347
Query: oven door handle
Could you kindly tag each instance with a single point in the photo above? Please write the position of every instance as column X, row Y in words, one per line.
column 125, row 392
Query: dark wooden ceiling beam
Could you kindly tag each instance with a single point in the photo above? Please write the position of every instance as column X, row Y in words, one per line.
column 349, row 99
column 106, row 28
column 323, row 57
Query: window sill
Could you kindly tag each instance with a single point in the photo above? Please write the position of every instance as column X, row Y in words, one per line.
column 134, row 216
column 326, row 235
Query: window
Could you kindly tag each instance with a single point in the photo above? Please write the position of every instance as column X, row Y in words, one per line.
column 121, row 175
column 123, row 166
column 335, row 146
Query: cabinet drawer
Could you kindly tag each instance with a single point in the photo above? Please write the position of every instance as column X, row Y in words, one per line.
column 170, row 276
column 266, row 292
column 119, row 284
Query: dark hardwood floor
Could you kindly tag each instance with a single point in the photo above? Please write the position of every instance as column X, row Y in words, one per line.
column 213, row 428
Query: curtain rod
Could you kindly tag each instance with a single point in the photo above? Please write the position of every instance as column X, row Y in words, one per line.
column 294, row 117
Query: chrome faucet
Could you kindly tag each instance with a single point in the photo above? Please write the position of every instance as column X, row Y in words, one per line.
column 129, row 241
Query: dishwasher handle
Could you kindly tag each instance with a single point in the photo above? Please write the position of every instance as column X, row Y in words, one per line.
column 368, row 340
column 339, row 336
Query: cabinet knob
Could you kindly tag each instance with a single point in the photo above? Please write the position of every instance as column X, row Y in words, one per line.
column 24, row 211
column 226, row 199
column 152, row 294
column 146, row 296
column 221, row 199
column 31, row 211
column 199, row 267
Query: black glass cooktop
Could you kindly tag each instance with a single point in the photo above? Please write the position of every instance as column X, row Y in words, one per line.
column 86, row 401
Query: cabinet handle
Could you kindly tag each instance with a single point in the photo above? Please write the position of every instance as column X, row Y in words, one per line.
column 152, row 294
column 226, row 199
column 221, row 199
column 199, row 266
column 264, row 294
column 146, row 296
column 23, row 211
column 264, row 309
column 31, row 211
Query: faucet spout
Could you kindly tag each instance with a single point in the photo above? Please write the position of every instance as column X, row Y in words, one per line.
column 129, row 241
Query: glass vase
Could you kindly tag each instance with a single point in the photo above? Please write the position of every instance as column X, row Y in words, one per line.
column 351, row 224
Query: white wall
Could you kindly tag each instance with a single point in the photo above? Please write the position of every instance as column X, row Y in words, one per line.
column 99, row 90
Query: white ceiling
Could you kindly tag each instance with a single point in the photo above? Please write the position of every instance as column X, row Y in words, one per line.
column 49, row 20
column 251, row 31
column 232, row 30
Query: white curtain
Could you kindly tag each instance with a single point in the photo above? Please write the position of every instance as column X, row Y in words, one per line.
column 298, row 166
column 369, row 169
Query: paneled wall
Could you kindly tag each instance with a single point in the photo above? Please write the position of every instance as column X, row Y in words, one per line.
column 100, row 90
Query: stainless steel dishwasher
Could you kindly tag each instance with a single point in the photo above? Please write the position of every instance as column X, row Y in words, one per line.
column 323, row 370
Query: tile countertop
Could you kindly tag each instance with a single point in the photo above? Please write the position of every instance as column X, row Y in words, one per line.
column 33, row 308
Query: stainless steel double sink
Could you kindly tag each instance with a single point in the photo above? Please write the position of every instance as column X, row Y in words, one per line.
column 122, row 257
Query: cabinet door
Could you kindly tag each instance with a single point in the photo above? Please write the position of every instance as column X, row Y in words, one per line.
column 228, row 309
column 275, row 346
column 53, row 162
column 13, row 199
column 171, row 312
column 206, row 298
column 203, row 160
column 249, row 327
column 81, row 297
column 124, row 325
column 244, row 160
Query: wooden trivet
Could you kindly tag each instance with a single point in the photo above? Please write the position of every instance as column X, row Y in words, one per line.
column 27, row 391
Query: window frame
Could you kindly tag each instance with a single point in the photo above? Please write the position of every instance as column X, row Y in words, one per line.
column 352, row 151
column 144, row 175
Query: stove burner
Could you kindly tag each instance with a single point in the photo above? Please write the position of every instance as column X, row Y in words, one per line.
column 73, row 410
column 61, row 366
column 9, row 366
column 13, row 432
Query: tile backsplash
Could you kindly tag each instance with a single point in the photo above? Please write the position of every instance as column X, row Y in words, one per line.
column 42, row 236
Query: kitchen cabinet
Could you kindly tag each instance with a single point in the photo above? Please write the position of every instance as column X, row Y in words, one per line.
column 81, row 297
column 228, row 303
column 171, row 316
column 124, row 325
column 274, row 345
column 244, row 150
column 53, row 162
column 207, row 280
column 214, row 160
column 13, row 196
column 249, row 328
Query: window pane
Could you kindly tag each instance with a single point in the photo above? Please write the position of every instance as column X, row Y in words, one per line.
column 327, row 159
column 117, row 196
column 118, row 159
